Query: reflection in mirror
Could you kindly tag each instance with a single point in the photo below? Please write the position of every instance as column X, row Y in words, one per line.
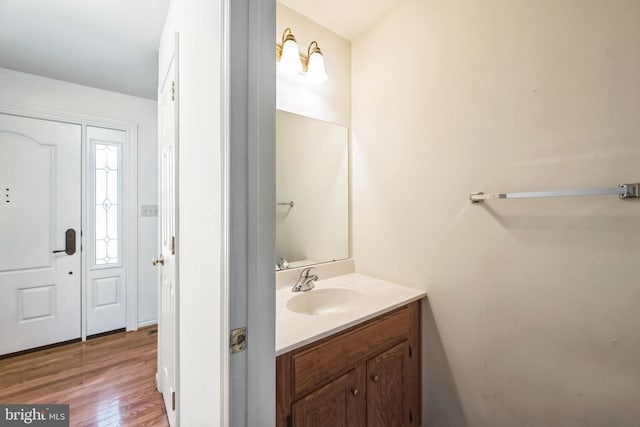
column 312, row 191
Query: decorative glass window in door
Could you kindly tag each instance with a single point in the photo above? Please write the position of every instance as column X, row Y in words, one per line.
column 107, row 183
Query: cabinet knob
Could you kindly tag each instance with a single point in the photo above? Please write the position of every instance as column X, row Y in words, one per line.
column 375, row 378
column 355, row 391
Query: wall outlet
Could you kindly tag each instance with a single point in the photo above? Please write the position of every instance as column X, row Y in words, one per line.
column 149, row 210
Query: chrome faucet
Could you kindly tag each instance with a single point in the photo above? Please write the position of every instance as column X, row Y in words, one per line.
column 305, row 281
column 283, row 264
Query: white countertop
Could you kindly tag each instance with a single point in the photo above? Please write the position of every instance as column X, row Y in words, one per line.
column 294, row 330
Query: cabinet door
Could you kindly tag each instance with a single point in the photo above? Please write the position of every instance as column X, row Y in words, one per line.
column 387, row 388
column 341, row 403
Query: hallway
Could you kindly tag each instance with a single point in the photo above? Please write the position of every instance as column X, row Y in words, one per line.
column 108, row 381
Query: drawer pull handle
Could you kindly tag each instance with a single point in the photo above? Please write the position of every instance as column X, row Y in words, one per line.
column 375, row 378
column 355, row 391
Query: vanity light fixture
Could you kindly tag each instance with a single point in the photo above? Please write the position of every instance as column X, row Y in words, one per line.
column 287, row 53
column 293, row 62
column 316, row 73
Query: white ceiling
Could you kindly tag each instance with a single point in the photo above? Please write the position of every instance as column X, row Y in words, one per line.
column 108, row 44
column 113, row 44
column 347, row 18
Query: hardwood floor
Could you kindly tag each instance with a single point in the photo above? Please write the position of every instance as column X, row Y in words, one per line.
column 107, row 381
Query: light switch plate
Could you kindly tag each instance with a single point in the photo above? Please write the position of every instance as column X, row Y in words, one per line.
column 149, row 210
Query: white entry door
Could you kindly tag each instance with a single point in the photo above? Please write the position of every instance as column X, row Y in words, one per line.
column 40, row 211
column 167, row 330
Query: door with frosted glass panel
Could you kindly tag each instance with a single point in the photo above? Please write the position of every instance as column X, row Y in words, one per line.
column 106, row 287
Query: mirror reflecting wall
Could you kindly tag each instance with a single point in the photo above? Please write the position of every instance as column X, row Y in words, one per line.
column 312, row 191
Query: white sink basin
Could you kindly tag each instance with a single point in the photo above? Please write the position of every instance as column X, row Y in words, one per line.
column 325, row 301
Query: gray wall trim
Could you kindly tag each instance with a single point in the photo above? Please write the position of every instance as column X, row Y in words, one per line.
column 252, row 212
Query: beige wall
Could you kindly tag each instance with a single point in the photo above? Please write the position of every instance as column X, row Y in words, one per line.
column 533, row 317
column 329, row 101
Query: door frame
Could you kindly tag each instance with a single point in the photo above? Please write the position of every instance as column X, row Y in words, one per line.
column 130, row 208
column 243, row 149
column 249, row 226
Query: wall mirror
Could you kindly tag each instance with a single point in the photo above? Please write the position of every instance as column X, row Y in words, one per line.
column 312, row 191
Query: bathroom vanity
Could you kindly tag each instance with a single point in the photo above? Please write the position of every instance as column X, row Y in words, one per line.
column 347, row 344
column 350, row 360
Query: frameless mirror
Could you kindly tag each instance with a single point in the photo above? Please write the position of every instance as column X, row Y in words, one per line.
column 312, row 191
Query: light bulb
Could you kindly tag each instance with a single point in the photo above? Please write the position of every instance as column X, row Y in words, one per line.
column 316, row 72
column 290, row 59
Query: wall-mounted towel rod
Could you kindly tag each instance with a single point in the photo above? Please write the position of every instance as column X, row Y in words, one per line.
column 625, row 191
column 290, row 204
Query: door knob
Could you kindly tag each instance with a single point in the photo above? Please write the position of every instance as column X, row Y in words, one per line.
column 156, row 261
column 355, row 391
column 375, row 378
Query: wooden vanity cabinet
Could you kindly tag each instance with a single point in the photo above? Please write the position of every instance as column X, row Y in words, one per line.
column 368, row 375
column 388, row 375
column 339, row 403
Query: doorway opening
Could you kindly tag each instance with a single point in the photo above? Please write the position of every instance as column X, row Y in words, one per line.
column 68, row 270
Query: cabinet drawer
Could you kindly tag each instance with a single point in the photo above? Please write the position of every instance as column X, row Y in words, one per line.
column 316, row 365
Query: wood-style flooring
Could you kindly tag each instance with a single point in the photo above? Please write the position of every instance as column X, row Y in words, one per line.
column 107, row 381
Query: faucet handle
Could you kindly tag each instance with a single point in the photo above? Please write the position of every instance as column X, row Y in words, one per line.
column 305, row 273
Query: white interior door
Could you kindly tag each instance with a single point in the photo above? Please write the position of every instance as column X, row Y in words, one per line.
column 167, row 328
column 40, row 183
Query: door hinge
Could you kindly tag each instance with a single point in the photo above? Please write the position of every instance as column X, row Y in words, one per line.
column 173, row 245
column 289, row 421
column 410, row 352
column 238, row 340
column 173, row 91
column 410, row 416
column 173, row 401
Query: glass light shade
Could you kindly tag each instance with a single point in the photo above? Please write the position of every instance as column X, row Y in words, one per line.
column 316, row 73
column 290, row 59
